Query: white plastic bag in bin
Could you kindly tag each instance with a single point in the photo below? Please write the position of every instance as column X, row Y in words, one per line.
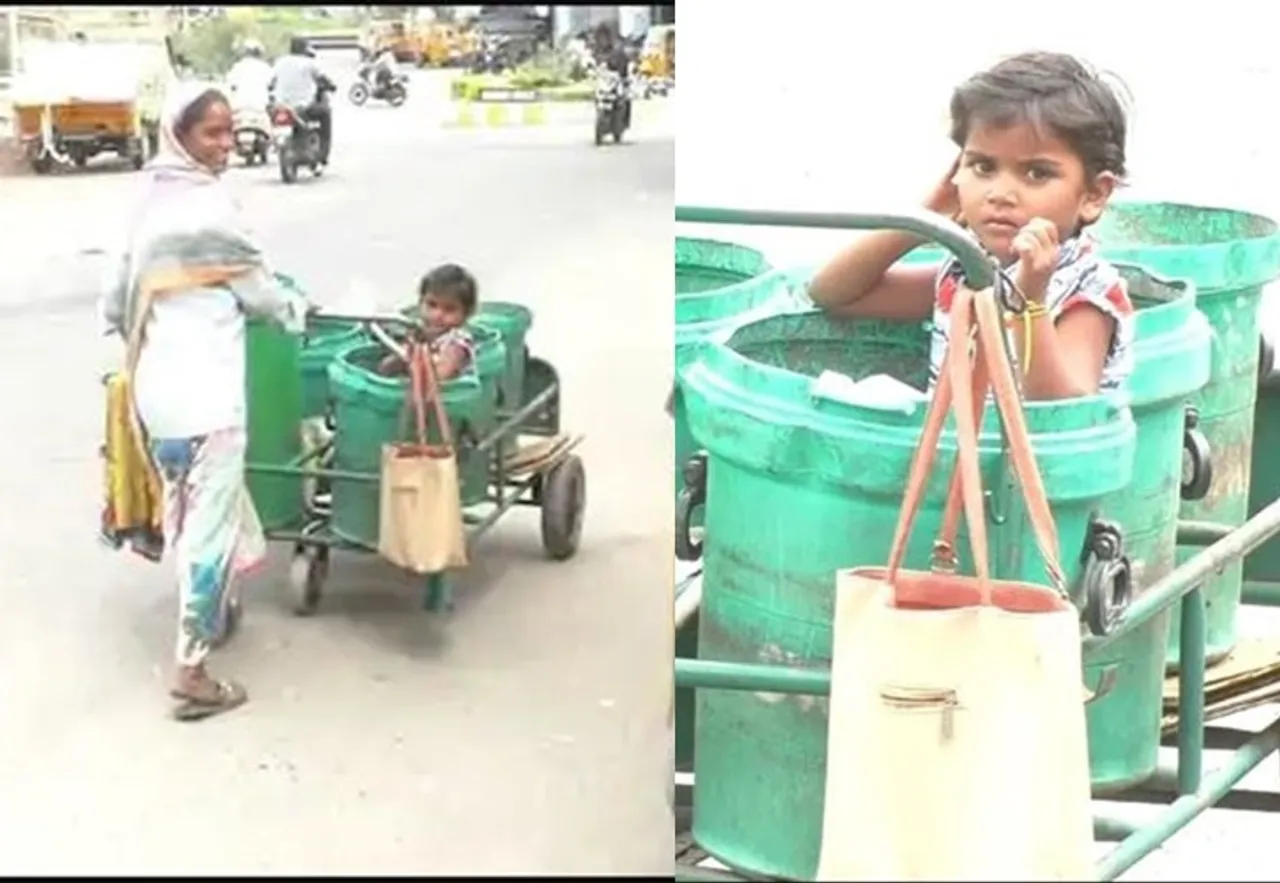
column 877, row 391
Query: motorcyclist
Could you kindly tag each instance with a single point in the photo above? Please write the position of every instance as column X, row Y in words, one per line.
column 384, row 68
column 250, row 79
column 297, row 82
column 609, row 53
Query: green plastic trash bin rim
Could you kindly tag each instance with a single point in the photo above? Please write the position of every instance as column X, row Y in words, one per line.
column 353, row 382
column 1165, row 333
column 1093, row 426
column 729, row 257
column 1219, row 249
column 725, row 301
column 501, row 314
column 1172, row 340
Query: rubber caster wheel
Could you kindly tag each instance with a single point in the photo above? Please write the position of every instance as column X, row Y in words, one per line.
column 230, row 622
column 307, row 574
column 564, row 497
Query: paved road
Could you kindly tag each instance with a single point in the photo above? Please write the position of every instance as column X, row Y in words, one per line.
column 523, row 733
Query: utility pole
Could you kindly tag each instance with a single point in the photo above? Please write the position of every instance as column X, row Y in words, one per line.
column 15, row 56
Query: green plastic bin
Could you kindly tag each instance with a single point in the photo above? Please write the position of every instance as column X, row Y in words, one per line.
column 512, row 322
column 370, row 412
column 492, row 367
column 319, row 349
column 273, row 386
column 800, row 486
column 772, row 289
column 322, row 342
column 718, row 284
column 1171, row 363
column 1229, row 256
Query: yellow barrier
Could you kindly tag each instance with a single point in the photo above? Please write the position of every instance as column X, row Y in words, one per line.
column 511, row 114
column 470, row 115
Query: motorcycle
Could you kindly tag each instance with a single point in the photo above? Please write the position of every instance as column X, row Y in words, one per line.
column 394, row 90
column 297, row 142
column 251, row 129
column 493, row 57
column 613, row 107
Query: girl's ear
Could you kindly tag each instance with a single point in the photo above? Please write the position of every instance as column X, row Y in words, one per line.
column 1097, row 196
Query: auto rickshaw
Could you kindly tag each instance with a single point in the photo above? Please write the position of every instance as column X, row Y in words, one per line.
column 658, row 57
column 78, row 100
column 440, row 45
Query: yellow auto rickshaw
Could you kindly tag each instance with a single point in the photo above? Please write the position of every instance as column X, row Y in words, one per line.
column 77, row 100
column 658, row 56
column 441, row 45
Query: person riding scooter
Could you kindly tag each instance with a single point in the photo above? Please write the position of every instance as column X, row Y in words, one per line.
column 384, row 69
column 298, row 83
column 249, row 85
column 250, row 78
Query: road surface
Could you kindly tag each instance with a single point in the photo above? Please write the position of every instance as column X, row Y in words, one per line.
column 523, row 733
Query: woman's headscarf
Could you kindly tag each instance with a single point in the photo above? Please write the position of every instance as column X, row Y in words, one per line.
column 186, row 226
column 172, row 161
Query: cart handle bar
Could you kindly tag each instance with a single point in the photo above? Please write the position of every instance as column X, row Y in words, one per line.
column 979, row 269
column 321, row 317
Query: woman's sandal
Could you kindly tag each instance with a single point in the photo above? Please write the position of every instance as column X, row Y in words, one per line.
column 227, row 695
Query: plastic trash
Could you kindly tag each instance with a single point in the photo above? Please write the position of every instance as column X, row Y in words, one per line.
column 877, row 391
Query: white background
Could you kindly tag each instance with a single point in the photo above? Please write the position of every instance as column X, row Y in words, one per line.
column 844, row 106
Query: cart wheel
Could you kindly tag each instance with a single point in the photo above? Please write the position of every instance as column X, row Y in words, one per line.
column 138, row 155
column 230, row 622
column 42, row 164
column 563, row 496
column 307, row 573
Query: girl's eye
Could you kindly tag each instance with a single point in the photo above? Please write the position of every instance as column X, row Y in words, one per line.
column 982, row 166
column 1038, row 174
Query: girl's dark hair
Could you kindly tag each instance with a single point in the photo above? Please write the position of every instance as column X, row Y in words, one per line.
column 196, row 110
column 1049, row 89
column 451, row 280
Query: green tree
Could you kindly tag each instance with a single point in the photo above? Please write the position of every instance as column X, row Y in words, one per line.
column 210, row 46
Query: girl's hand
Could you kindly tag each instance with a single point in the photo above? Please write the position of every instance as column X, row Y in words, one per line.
column 1036, row 246
column 944, row 198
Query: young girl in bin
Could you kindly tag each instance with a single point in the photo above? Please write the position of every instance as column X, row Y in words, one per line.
column 1042, row 149
column 447, row 298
